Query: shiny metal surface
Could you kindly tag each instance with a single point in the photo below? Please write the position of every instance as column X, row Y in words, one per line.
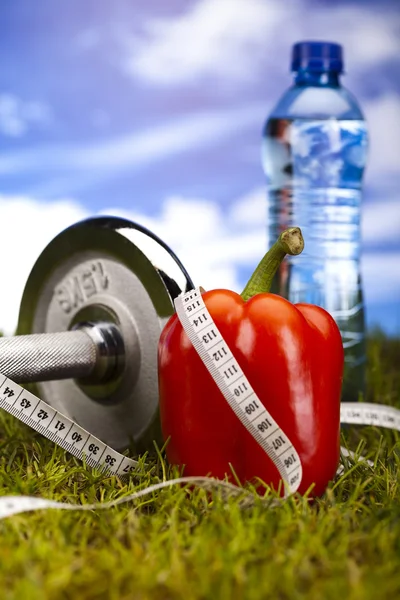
column 94, row 352
column 110, row 352
column 47, row 356
column 112, row 270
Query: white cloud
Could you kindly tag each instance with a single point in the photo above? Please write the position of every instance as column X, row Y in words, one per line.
column 197, row 230
column 383, row 119
column 18, row 116
column 238, row 43
column 249, row 210
column 27, row 226
column 381, row 222
column 369, row 37
column 212, row 243
column 381, row 276
column 202, row 236
column 134, row 149
column 217, row 37
column 193, row 131
column 233, row 40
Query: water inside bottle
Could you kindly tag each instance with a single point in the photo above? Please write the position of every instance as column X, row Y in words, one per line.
column 314, row 170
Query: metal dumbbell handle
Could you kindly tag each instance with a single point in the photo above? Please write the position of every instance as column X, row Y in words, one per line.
column 92, row 351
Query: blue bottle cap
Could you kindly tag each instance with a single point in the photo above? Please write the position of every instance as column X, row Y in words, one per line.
column 317, row 56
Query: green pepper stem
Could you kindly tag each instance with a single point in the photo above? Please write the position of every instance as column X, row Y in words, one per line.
column 291, row 242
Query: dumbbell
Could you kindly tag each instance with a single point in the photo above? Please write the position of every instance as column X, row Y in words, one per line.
column 90, row 319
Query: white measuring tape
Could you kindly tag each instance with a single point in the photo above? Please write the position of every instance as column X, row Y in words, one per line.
column 230, row 379
column 367, row 413
column 236, row 388
column 58, row 428
column 13, row 505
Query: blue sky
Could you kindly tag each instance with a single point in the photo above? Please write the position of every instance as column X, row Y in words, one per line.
column 154, row 110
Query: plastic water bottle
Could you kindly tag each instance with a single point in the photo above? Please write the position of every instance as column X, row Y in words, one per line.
column 314, row 153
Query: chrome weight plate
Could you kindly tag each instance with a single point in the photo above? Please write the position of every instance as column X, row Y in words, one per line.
column 107, row 269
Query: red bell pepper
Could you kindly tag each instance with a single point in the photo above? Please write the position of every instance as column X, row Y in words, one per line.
column 292, row 354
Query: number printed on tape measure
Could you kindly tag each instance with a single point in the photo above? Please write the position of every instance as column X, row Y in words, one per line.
column 236, row 388
column 228, row 376
column 366, row 413
column 94, row 448
column 43, row 414
column 209, row 335
column 219, row 353
column 77, row 437
column 61, row 430
column 9, row 393
column 230, row 379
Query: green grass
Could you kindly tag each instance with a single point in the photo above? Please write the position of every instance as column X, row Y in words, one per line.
column 186, row 544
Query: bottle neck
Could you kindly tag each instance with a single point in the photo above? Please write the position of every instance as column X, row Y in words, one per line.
column 317, row 78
